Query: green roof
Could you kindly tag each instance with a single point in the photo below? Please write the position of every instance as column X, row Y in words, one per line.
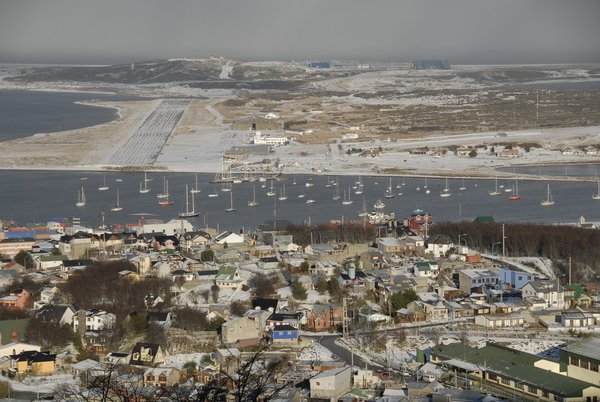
column 577, row 289
column 515, row 365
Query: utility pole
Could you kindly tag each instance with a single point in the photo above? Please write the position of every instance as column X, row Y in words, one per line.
column 344, row 319
column 503, row 243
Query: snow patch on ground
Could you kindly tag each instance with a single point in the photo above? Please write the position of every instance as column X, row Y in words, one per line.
column 316, row 351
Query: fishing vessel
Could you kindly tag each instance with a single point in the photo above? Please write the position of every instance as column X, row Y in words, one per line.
column 188, row 213
column 80, row 198
column 117, row 207
column 548, row 201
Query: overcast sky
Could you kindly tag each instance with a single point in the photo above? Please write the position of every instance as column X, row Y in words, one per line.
column 463, row 31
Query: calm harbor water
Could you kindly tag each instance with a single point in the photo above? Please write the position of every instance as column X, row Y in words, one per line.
column 24, row 113
column 35, row 196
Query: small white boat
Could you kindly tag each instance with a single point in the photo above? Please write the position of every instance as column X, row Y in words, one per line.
column 495, row 191
column 271, row 191
column 231, row 208
column 310, row 201
column 80, row 198
column 103, row 187
column 347, row 201
column 446, row 191
column 253, row 203
column 548, row 201
column 188, row 213
column 597, row 195
column 283, row 195
column 379, row 205
column 196, row 188
column 165, row 193
column 463, row 187
column 143, row 187
column 117, row 207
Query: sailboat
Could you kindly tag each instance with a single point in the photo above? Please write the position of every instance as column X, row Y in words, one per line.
column 425, row 185
column 196, row 189
column 515, row 196
column 143, row 187
column 446, row 191
column 347, row 201
column 388, row 191
column 495, row 192
column 271, row 191
column 548, row 201
column 597, row 195
column 80, row 198
column 363, row 212
column 283, row 195
column 463, row 187
column 226, row 187
column 359, row 186
column 188, row 213
column 117, row 207
column 213, row 195
column 103, row 187
column 164, row 201
column 302, row 194
column 253, row 203
column 165, row 193
column 336, row 196
column 231, row 208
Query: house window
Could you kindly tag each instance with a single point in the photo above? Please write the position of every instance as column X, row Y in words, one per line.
column 545, row 394
column 493, row 377
column 584, row 364
column 531, row 390
column 519, row 385
column 593, row 366
column 574, row 361
column 519, row 278
column 505, row 381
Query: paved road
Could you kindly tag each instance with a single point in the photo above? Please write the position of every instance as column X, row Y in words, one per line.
column 342, row 353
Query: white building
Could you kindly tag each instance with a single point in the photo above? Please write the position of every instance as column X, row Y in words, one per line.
column 331, row 384
column 171, row 228
column 547, row 290
column 93, row 320
column 259, row 138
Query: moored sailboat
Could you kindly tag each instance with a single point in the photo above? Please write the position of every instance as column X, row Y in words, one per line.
column 117, row 207
column 548, row 201
column 80, row 198
column 188, row 213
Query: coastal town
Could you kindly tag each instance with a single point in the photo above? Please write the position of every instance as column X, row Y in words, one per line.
column 166, row 311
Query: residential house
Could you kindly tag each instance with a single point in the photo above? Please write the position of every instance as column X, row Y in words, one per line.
column 477, row 279
column 195, row 240
column 284, row 334
column 268, row 263
column 46, row 262
column 162, row 376
column 11, row 247
column 515, row 278
column 395, row 245
column 159, row 318
column 426, row 269
column 331, row 384
column 34, row 362
column 499, row 320
column 228, row 277
column 323, row 317
column 265, row 304
column 8, row 276
column 229, row 238
column 285, row 319
column 576, row 319
column 261, row 251
column 576, row 296
column 164, row 243
column 243, row 331
column 260, row 316
column 171, row 228
column 17, row 299
column 57, row 313
column 95, row 320
column 147, row 354
column 547, row 290
column 118, row 358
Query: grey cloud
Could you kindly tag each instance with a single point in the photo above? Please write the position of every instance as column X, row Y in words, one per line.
column 464, row 31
